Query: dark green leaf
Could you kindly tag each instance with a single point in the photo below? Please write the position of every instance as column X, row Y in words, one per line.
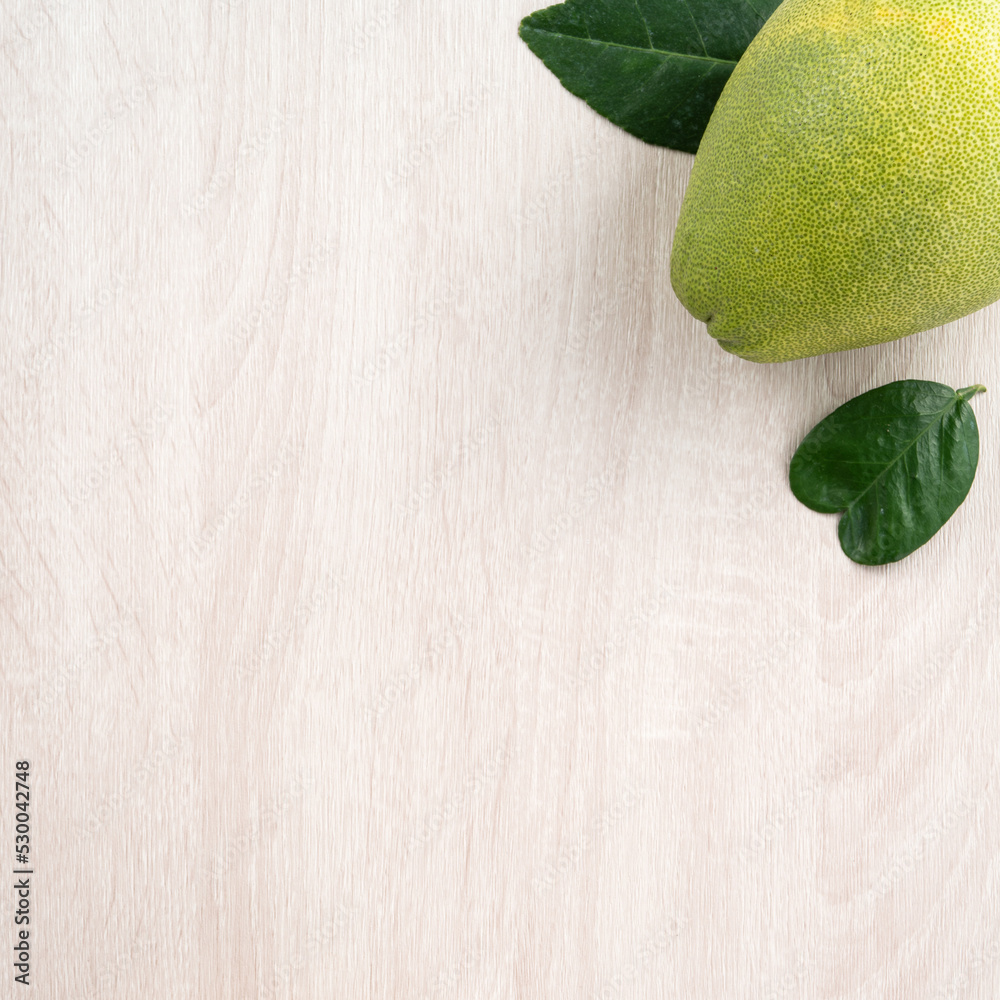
column 898, row 460
column 654, row 67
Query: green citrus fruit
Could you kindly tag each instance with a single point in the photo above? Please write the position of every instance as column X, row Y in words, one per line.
column 847, row 189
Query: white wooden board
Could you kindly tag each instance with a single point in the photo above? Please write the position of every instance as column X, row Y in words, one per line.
column 401, row 594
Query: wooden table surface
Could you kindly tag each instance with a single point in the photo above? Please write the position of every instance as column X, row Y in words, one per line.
column 402, row 596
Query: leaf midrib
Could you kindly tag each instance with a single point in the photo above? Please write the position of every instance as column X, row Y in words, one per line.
column 632, row 48
column 936, row 413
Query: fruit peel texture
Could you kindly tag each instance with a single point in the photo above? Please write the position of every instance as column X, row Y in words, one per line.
column 847, row 189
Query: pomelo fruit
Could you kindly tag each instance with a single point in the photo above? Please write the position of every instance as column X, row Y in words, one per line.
column 847, row 189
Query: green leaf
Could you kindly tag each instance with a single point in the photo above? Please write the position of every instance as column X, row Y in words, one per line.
column 898, row 460
column 654, row 67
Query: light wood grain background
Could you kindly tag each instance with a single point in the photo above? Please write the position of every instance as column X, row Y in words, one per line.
column 401, row 594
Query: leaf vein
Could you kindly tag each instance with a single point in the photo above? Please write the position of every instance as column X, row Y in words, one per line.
column 634, row 48
column 687, row 7
column 645, row 24
column 933, row 423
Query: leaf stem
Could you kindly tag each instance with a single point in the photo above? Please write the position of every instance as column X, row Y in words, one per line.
column 972, row 390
